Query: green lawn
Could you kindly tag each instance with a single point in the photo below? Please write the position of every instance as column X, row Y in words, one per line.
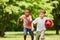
column 49, row 35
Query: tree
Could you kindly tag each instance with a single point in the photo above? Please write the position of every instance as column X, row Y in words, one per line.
column 12, row 9
column 56, row 14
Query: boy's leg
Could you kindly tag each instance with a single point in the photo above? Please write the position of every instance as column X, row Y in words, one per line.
column 32, row 34
column 42, row 34
column 37, row 35
column 42, row 38
column 25, row 33
column 24, row 37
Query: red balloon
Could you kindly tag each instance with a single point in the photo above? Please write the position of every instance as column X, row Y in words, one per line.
column 48, row 24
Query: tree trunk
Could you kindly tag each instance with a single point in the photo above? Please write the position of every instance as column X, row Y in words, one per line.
column 2, row 27
column 57, row 31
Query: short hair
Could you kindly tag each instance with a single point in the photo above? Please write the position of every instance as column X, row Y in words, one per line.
column 41, row 10
column 27, row 9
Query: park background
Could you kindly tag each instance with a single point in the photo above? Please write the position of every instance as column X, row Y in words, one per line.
column 11, row 10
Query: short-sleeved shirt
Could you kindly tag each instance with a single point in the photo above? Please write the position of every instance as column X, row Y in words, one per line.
column 40, row 23
column 26, row 21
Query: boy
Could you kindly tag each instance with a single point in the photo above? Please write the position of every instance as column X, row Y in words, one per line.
column 40, row 24
column 27, row 20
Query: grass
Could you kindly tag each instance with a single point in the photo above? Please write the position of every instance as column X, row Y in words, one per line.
column 49, row 35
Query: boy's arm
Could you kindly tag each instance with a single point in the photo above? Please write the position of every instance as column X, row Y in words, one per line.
column 32, row 26
column 34, row 22
column 18, row 21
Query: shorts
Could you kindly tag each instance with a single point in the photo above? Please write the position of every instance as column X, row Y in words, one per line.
column 28, row 30
column 40, row 34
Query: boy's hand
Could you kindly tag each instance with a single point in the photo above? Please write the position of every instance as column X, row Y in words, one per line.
column 52, row 23
column 32, row 29
column 18, row 24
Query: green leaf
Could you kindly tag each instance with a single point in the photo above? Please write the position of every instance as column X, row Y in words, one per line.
column 13, row 21
column 4, row 0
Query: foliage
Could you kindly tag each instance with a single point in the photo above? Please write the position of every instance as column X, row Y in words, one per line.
column 14, row 9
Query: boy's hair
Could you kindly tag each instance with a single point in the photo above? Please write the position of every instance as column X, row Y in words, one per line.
column 41, row 10
column 28, row 9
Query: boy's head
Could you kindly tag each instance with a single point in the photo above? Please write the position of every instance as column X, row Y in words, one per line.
column 42, row 13
column 27, row 12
